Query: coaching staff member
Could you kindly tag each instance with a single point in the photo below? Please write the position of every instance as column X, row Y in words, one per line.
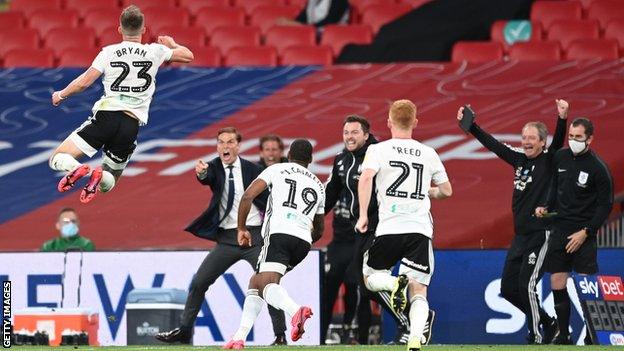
column 581, row 195
column 228, row 176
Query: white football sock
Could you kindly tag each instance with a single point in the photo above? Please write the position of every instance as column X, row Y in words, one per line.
column 107, row 182
column 276, row 296
column 63, row 162
column 419, row 311
column 251, row 308
column 380, row 282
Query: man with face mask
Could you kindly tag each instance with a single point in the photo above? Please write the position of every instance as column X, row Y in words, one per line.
column 524, row 264
column 68, row 226
column 580, row 200
column 227, row 175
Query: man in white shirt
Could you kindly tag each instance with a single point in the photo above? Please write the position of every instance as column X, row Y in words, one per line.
column 129, row 70
column 294, row 220
column 403, row 170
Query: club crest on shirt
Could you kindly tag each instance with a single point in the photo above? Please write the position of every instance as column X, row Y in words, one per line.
column 582, row 179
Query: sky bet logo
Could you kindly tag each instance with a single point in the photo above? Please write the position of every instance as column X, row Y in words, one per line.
column 589, row 287
column 611, row 287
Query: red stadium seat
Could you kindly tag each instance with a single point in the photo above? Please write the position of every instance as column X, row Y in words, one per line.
column 44, row 21
column 586, row 49
column 210, row 18
column 266, row 17
column 226, row 38
column 193, row 6
column 475, row 51
column 497, row 32
column 205, row 56
column 144, row 4
column 300, row 4
column 187, row 36
column 18, row 39
column 158, row 17
column 250, row 5
column 77, row 57
column 83, row 7
column 337, row 36
column 604, row 11
column 307, row 55
column 61, row 39
column 43, row 58
column 535, row 51
column 252, row 56
column 11, row 20
column 282, row 37
column 377, row 16
column 112, row 36
column 547, row 12
column 565, row 31
column 615, row 30
column 415, row 3
column 102, row 20
column 28, row 7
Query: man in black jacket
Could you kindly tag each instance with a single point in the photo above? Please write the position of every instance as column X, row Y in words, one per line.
column 580, row 199
column 345, row 175
column 228, row 176
column 525, row 257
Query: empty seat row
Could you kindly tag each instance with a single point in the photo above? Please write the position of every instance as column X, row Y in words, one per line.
column 603, row 11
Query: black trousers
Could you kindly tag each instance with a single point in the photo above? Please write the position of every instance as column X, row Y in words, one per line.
column 222, row 257
column 524, row 267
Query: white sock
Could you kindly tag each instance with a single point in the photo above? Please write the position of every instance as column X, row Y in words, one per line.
column 107, row 182
column 251, row 308
column 419, row 311
column 276, row 296
column 63, row 162
column 380, row 282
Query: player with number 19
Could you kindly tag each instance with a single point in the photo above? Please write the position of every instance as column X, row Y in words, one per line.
column 129, row 70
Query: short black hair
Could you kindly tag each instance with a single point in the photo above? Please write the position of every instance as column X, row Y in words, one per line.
column 300, row 150
column 586, row 123
column 359, row 119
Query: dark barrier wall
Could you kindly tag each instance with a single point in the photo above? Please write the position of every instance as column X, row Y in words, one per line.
column 429, row 32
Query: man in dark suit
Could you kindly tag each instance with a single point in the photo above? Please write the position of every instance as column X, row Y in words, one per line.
column 228, row 176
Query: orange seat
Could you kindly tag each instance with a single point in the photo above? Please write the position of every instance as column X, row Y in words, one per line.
column 205, row 56
column 337, row 36
column 615, row 30
column 477, row 51
column 604, row 11
column 535, row 51
column 101, row 20
column 307, row 55
column 282, row 37
column 83, row 7
column 565, row 31
column 498, row 34
column 546, row 12
column 61, row 39
column 187, row 36
column 28, row 7
column 158, row 17
column 586, row 49
column 250, row 5
column 210, row 18
column 266, row 17
column 11, row 20
column 377, row 16
column 193, row 6
column 43, row 58
column 252, row 56
column 77, row 57
column 46, row 20
column 228, row 37
column 18, row 39
column 144, row 4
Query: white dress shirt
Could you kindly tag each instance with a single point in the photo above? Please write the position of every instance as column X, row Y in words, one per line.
column 231, row 221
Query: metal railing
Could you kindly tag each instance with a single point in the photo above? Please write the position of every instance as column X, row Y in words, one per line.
column 612, row 233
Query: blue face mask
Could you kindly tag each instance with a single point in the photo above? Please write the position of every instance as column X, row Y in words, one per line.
column 68, row 230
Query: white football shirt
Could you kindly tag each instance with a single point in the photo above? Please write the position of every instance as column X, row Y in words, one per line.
column 129, row 80
column 296, row 196
column 405, row 169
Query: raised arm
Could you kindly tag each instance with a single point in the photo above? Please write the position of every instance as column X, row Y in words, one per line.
column 560, row 130
column 78, row 85
column 180, row 53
